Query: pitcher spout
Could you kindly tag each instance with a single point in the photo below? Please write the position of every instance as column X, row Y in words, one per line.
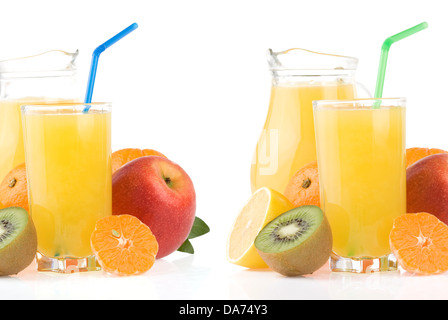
column 309, row 61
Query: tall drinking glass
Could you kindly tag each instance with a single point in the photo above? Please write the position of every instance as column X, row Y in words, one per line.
column 68, row 161
column 362, row 174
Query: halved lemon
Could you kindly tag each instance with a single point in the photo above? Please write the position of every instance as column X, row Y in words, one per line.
column 263, row 206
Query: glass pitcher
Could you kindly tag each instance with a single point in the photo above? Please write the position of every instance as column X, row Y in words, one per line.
column 287, row 142
column 44, row 78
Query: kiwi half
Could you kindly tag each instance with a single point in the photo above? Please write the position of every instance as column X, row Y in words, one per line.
column 18, row 240
column 297, row 242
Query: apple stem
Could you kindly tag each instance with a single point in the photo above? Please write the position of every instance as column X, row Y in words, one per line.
column 168, row 181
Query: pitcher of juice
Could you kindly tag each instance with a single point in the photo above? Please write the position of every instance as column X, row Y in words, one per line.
column 287, row 141
column 44, row 78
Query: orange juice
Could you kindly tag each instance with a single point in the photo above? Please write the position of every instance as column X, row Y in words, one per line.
column 68, row 159
column 287, row 142
column 11, row 141
column 11, row 136
column 362, row 175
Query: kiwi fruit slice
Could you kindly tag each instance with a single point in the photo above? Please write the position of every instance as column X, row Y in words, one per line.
column 297, row 242
column 18, row 240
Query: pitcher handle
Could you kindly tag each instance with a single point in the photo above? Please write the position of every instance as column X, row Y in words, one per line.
column 365, row 92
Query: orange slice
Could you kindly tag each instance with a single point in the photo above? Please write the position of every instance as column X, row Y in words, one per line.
column 419, row 241
column 123, row 245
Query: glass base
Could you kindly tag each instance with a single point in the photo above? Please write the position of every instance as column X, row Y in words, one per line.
column 66, row 265
column 363, row 264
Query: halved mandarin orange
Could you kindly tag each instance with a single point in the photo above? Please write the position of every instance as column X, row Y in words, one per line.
column 123, row 245
column 415, row 154
column 123, row 156
column 419, row 241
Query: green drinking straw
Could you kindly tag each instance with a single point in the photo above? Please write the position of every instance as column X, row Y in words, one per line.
column 384, row 55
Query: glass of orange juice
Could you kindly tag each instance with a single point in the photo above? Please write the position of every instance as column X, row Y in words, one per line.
column 68, row 161
column 361, row 157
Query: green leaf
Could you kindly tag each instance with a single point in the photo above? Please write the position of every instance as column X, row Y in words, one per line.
column 186, row 247
column 199, row 228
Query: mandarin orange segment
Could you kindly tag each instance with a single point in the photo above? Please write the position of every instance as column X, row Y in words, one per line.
column 123, row 245
column 13, row 188
column 123, row 156
column 303, row 187
column 415, row 154
column 419, row 241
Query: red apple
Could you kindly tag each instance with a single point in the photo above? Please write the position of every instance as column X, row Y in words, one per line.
column 159, row 193
column 427, row 186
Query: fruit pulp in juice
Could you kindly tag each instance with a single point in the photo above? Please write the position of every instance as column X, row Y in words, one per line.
column 69, row 176
column 287, row 142
column 362, row 175
column 11, row 136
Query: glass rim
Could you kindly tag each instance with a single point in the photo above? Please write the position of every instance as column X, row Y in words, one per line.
column 389, row 102
column 77, row 107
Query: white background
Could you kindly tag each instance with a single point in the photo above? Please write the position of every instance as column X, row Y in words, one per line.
column 192, row 82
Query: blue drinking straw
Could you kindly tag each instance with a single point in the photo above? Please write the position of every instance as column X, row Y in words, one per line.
column 96, row 56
